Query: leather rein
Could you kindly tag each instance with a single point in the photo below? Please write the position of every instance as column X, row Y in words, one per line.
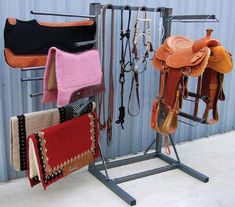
column 107, row 124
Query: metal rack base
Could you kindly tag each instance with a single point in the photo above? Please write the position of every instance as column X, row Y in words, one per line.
column 112, row 184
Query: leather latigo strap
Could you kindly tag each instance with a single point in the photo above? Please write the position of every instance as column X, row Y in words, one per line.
column 27, row 42
column 199, row 89
column 107, row 124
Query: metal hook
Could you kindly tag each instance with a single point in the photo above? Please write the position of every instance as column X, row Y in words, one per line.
column 126, row 7
column 143, row 8
column 108, row 6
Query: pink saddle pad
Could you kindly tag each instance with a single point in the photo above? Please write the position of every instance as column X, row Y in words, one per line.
column 70, row 76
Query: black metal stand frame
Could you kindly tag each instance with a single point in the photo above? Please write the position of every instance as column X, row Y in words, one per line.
column 112, row 184
column 95, row 169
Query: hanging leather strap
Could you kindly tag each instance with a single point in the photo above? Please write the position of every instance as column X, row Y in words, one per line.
column 135, row 78
column 101, row 97
column 167, row 146
column 107, row 124
column 213, row 88
column 219, row 96
column 111, row 82
column 199, row 89
column 124, row 64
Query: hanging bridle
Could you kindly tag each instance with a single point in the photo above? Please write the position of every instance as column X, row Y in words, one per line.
column 125, row 65
column 136, row 61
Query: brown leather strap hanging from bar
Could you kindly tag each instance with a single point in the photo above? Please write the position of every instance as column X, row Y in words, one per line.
column 111, row 82
column 107, row 124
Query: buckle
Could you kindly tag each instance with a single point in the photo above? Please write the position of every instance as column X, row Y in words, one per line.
column 188, row 71
column 163, row 67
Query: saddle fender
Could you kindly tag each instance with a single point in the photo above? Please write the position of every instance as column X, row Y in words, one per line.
column 167, row 122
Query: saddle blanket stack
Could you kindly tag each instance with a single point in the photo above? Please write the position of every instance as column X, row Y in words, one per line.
column 53, row 143
column 59, row 150
column 23, row 125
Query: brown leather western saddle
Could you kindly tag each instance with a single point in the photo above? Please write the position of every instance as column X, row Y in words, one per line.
column 177, row 59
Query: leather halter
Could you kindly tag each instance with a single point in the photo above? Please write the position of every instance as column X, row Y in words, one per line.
column 107, row 124
column 139, row 60
column 125, row 48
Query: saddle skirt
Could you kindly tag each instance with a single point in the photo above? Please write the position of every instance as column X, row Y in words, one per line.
column 179, row 58
column 178, row 52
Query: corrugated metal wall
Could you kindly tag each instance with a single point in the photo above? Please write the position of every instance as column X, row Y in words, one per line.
column 137, row 134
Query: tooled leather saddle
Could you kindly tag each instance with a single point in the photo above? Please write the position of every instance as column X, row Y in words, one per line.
column 178, row 59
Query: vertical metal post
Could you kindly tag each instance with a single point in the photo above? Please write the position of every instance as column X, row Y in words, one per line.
column 95, row 9
column 165, row 13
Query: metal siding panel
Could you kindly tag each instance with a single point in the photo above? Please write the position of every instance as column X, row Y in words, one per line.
column 137, row 133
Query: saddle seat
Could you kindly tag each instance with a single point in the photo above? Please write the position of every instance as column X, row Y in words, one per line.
column 179, row 52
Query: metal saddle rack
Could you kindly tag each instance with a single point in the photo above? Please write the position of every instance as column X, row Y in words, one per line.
column 95, row 169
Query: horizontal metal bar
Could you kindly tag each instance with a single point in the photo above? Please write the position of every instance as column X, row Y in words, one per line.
column 78, row 44
column 34, row 68
column 190, row 100
column 196, row 21
column 166, row 158
column 191, row 94
column 35, row 94
column 127, row 161
column 62, row 14
column 193, row 173
column 193, row 118
column 184, row 168
column 194, row 17
column 113, row 186
column 184, row 122
column 31, row 79
column 134, row 8
column 150, row 145
column 145, row 173
column 204, row 98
